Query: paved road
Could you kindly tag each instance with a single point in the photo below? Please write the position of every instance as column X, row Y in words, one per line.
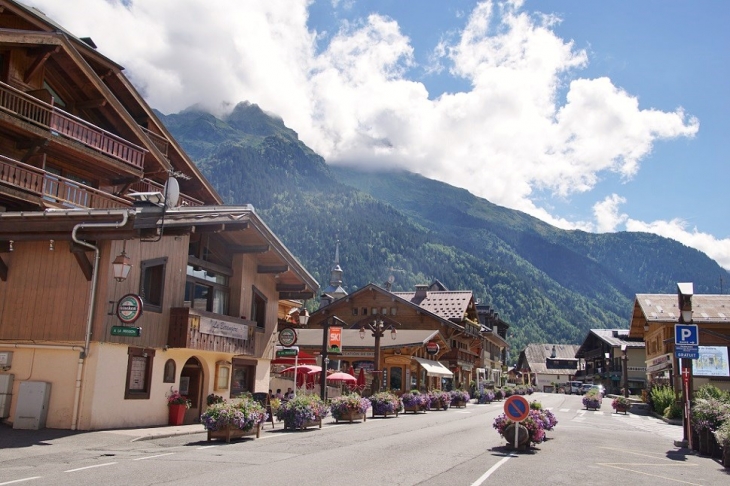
column 454, row 447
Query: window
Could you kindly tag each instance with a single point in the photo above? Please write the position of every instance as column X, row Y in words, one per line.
column 354, row 311
column 258, row 309
column 393, row 311
column 364, row 311
column 139, row 373
column 152, row 283
column 222, row 375
column 242, row 377
column 206, row 290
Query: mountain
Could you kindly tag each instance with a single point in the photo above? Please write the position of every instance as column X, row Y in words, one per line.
column 551, row 285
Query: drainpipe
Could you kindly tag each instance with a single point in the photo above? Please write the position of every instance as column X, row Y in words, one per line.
column 92, row 298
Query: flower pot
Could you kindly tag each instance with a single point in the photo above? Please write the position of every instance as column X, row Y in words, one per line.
column 622, row 408
column 229, row 433
column 350, row 415
column 459, row 404
column 414, row 408
column 176, row 414
column 523, row 436
column 705, row 441
column 305, row 425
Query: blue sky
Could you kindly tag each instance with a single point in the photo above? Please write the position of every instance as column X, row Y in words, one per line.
column 601, row 116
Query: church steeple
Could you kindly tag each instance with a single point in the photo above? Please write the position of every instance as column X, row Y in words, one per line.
column 334, row 290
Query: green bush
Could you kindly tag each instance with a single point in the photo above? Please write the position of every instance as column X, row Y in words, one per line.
column 662, row 397
column 673, row 411
column 708, row 391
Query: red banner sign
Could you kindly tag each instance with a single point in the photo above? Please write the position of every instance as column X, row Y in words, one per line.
column 334, row 341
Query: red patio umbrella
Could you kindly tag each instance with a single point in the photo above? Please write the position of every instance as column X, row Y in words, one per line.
column 361, row 379
column 303, row 369
column 343, row 377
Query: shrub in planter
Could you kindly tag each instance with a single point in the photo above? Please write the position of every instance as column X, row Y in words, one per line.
column 459, row 396
column 239, row 413
column 722, row 435
column 533, row 423
column 386, row 403
column 592, row 399
column 486, row 396
column 498, row 394
column 621, row 404
column 440, row 399
column 709, row 413
column 416, row 399
column 300, row 410
column 661, row 398
column 342, row 407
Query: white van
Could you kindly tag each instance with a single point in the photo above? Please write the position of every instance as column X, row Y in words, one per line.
column 573, row 387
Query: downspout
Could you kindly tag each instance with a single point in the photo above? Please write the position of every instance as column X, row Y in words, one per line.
column 90, row 316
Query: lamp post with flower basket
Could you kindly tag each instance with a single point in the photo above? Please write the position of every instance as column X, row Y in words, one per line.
column 377, row 330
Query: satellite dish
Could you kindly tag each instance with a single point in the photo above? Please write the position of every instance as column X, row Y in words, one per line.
column 172, row 192
column 391, row 279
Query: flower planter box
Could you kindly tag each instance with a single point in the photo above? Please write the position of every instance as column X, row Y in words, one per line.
column 726, row 457
column 592, row 404
column 622, row 408
column 350, row 416
column 176, row 414
column 384, row 414
column 415, row 409
column 459, row 404
column 305, row 425
column 233, row 433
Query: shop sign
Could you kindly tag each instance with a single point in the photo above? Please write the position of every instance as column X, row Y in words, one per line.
column 659, row 363
column 334, row 341
column 129, row 308
column 287, row 337
column 221, row 328
column 126, row 331
column 432, row 348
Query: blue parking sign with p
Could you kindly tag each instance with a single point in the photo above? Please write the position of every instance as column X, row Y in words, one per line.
column 686, row 335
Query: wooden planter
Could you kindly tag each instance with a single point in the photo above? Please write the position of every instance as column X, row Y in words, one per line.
column 351, row 415
column 726, row 456
column 705, row 442
column 386, row 414
column 622, row 408
column 414, row 409
column 459, row 404
column 593, row 405
column 234, row 433
column 306, row 425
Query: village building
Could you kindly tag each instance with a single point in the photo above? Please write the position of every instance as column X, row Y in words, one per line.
column 613, row 359
column 122, row 278
column 547, row 366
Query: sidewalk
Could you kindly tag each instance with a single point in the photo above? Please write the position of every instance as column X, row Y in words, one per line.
column 159, row 432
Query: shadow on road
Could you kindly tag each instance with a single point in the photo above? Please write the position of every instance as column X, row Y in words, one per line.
column 16, row 438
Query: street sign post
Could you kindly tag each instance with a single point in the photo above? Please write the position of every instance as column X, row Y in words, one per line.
column 516, row 408
column 686, row 341
column 282, row 352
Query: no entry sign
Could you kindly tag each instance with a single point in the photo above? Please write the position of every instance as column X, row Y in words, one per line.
column 516, row 408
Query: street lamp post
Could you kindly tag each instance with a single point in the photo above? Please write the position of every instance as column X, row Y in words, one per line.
column 377, row 330
column 329, row 321
column 625, row 369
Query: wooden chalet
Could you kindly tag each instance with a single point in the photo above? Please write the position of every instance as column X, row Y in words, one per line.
column 544, row 365
column 653, row 321
column 602, row 352
column 408, row 358
column 90, row 177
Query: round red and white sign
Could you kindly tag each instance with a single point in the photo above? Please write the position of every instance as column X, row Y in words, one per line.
column 129, row 308
column 432, row 348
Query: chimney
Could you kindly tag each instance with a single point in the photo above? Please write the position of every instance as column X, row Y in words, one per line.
column 421, row 291
column 684, row 296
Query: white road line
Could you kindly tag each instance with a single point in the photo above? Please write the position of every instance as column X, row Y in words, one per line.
column 20, row 480
column 91, row 467
column 484, row 476
column 207, row 447
column 152, row 457
column 565, row 410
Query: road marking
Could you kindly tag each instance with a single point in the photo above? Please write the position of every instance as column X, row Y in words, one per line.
column 667, row 478
column 20, row 480
column 565, row 410
column 152, row 457
column 91, row 467
column 484, row 476
column 206, row 447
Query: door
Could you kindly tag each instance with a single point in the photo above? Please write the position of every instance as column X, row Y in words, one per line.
column 191, row 386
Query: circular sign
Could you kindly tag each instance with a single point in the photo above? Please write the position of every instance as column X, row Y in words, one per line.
column 129, row 308
column 287, row 337
column 432, row 348
column 516, row 408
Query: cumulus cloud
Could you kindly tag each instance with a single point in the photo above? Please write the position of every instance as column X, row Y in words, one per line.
column 526, row 124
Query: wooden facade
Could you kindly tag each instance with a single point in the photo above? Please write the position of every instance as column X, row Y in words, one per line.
column 86, row 171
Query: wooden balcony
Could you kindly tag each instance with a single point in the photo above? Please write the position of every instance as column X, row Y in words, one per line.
column 160, row 142
column 146, row 185
column 56, row 190
column 206, row 331
column 45, row 115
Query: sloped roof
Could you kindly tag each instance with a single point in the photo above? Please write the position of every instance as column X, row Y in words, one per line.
column 445, row 304
column 663, row 309
column 535, row 357
column 615, row 338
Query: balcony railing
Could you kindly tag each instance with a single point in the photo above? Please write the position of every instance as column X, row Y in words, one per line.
column 146, row 185
column 56, row 189
column 186, row 330
column 159, row 141
column 47, row 116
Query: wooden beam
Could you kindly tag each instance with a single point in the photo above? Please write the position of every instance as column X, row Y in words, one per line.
column 97, row 103
column 83, row 261
column 290, row 287
column 39, row 61
column 272, row 268
column 296, row 295
column 249, row 248
column 3, row 271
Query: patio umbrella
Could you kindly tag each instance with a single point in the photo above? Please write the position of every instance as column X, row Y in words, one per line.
column 352, row 386
column 343, row 377
column 303, row 369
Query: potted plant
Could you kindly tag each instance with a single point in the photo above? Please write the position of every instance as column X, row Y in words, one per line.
column 707, row 416
column 486, row 396
column 621, row 404
column 232, row 419
column 415, row 401
column 386, row 403
column 212, row 399
column 459, row 398
column 534, row 429
column 440, row 400
column 176, row 407
column 592, row 400
column 548, row 419
column 349, row 407
column 302, row 411
column 498, row 394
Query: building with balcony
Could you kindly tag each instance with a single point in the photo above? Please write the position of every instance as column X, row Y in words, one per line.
column 122, row 277
column 605, row 352
column 547, row 365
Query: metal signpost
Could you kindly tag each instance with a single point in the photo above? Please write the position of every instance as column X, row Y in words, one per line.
column 516, row 408
column 686, row 346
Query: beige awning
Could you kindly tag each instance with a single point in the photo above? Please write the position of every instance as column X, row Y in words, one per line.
column 434, row 368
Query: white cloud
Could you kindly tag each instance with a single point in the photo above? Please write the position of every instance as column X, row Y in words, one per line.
column 510, row 134
column 607, row 215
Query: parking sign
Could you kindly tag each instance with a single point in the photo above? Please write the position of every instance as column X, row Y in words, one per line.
column 686, row 335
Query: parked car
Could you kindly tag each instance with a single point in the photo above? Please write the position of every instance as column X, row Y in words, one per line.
column 600, row 389
column 586, row 386
column 573, row 387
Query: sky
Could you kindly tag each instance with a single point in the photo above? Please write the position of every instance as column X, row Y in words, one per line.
column 591, row 115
